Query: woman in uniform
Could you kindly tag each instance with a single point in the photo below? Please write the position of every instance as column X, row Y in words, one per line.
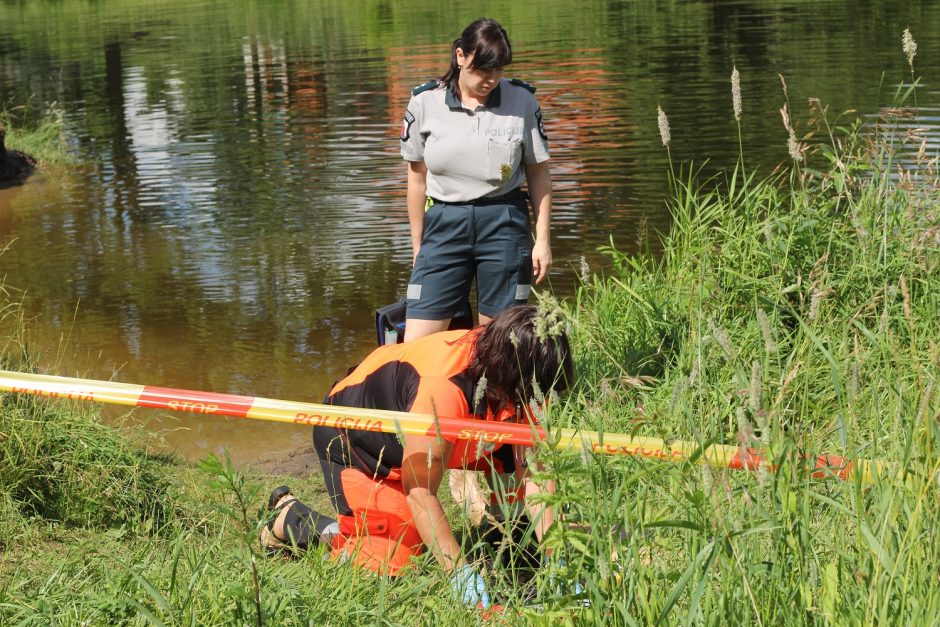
column 385, row 491
column 472, row 139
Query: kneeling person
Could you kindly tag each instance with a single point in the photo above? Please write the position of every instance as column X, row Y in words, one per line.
column 385, row 493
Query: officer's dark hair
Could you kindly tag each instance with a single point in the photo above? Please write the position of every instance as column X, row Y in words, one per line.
column 513, row 358
column 489, row 44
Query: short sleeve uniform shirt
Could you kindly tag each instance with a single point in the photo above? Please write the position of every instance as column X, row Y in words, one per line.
column 472, row 154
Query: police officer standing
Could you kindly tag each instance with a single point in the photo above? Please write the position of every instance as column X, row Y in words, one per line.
column 471, row 139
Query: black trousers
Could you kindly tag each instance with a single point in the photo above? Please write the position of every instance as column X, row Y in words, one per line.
column 374, row 453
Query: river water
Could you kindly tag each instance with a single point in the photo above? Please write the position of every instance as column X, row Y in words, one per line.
column 236, row 212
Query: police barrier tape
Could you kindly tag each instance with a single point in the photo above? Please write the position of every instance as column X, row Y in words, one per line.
column 210, row 403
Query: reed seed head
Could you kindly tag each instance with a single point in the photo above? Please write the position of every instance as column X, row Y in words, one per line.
column 783, row 83
column 909, row 46
column 537, row 395
column 785, row 115
column 721, row 337
column 551, row 319
column 745, row 429
column 538, row 410
column 585, row 270
column 479, row 393
column 793, row 145
column 794, row 148
column 708, row 479
column 814, row 300
column 906, row 300
column 770, row 342
column 663, row 126
column 641, row 233
column 763, row 474
column 755, row 394
column 736, row 92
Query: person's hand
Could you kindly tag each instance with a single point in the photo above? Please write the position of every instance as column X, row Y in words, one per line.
column 468, row 586
column 541, row 260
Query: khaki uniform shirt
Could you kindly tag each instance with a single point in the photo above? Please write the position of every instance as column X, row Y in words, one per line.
column 471, row 154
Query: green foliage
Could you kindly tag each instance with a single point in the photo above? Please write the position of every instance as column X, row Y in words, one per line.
column 59, row 463
column 42, row 139
column 803, row 319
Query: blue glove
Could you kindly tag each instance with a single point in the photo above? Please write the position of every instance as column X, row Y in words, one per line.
column 469, row 586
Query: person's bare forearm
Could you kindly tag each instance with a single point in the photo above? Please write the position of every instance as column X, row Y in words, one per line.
column 435, row 531
column 539, row 180
column 540, row 192
column 415, row 199
column 421, row 474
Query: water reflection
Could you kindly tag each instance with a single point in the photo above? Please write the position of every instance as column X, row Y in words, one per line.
column 239, row 211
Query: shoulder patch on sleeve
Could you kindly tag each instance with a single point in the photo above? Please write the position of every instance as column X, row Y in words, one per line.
column 538, row 116
column 406, row 126
column 521, row 83
column 426, row 86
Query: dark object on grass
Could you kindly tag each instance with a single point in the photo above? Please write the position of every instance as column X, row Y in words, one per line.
column 15, row 166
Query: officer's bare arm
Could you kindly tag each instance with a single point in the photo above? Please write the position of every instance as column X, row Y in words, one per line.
column 540, row 514
column 415, row 198
column 422, row 471
column 539, row 180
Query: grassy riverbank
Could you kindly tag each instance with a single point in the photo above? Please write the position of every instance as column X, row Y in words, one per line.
column 799, row 314
column 42, row 138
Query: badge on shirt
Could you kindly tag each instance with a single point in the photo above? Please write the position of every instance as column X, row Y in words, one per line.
column 538, row 116
column 408, row 121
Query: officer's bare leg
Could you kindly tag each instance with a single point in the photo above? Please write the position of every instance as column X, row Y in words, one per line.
column 415, row 328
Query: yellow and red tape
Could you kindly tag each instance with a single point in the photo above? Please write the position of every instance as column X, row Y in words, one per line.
column 313, row 414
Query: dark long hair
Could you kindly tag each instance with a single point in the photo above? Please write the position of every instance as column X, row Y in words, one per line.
column 514, row 359
column 489, row 44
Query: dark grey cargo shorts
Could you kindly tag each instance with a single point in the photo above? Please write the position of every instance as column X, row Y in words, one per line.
column 490, row 241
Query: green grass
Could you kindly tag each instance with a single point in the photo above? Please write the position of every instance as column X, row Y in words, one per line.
column 799, row 314
column 41, row 138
